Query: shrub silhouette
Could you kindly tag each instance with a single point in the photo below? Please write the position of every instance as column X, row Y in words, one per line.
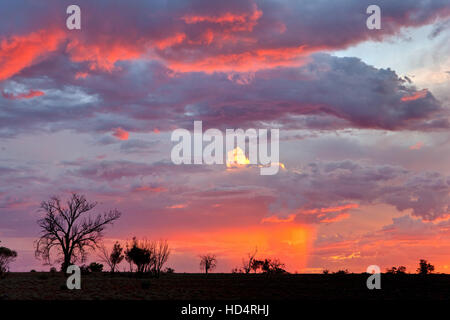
column 425, row 267
column 140, row 255
column 256, row 265
column 394, row 270
column 273, row 266
column 6, row 257
column 341, row 272
column 95, row 267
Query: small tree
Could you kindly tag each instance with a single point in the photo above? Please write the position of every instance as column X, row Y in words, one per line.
column 425, row 267
column 70, row 229
column 140, row 253
column 161, row 252
column 208, row 262
column 112, row 258
column 248, row 262
column 6, row 257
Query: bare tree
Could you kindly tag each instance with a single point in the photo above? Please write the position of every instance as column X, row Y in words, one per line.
column 148, row 256
column 248, row 262
column 140, row 253
column 111, row 258
column 69, row 230
column 161, row 252
column 208, row 262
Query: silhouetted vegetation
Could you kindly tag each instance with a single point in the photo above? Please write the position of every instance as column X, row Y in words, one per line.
column 425, row 267
column 394, row 270
column 341, row 272
column 147, row 256
column 95, row 267
column 273, row 266
column 169, row 270
column 208, row 262
column 69, row 230
column 248, row 262
column 268, row 266
column 6, row 257
column 112, row 258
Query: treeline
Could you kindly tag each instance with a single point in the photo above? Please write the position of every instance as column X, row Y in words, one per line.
column 69, row 231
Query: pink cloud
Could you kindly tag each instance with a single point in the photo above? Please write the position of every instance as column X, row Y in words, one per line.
column 27, row 95
column 121, row 134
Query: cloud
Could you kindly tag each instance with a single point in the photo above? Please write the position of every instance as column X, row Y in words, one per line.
column 201, row 36
column 121, row 134
column 28, row 95
column 425, row 194
column 21, row 51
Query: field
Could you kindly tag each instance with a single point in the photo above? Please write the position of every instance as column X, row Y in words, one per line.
column 104, row 286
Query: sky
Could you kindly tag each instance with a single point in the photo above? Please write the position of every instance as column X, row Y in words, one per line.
column 363, row 117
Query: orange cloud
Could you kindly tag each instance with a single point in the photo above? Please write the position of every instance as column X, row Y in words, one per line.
column 28, row 95
column 416, row 146
column 340, row 208
column 248, row 61
column 120, row 134
column 237, row 22
column 103, row 56
column 177, row 206
column 417, row 95
column 81, row 75
column 339, row 217
column 275, row 219
column 19, row 52
column 170, row 41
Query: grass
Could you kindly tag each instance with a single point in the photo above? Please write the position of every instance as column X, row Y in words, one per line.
column 125, row 286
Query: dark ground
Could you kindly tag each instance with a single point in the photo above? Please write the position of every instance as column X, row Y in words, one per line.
column 104, row 286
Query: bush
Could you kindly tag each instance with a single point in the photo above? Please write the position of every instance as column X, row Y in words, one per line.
column 169, row 270
column 32, row 270
column 6, row 257
column 95, row 267
column 341, row 272
column 425, row 267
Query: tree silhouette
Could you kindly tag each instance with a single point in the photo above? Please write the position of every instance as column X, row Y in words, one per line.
column 208, row 262
column 425, row 267
column 139, row 253
column 247, row 263
column 148, row 256
column 161, row 252
column 6, row 257
column 112, row 258
column 70, row 230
